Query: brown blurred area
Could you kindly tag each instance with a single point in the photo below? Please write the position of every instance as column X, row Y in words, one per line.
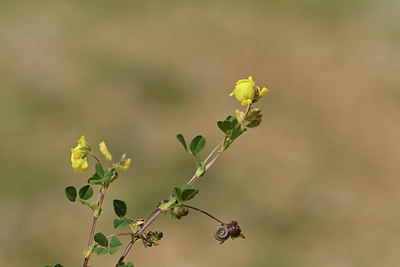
column 316, row 184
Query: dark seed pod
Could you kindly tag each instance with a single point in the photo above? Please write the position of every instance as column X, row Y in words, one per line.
column 151, row 238
column 179, row 212
column 221, row 233
column 234, row 229
column 254, row 118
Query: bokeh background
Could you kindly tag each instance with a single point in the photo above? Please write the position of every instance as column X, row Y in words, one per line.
column 317, row 184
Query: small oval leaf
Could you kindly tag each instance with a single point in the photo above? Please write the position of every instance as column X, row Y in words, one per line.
column 100, row 251
column 101, row 239
column 99, row 170
column 115, row 244
column 181, row 139
column 86, row 192
column 197, row 144
column 119, row 207
column 70, row 192
column 120, row 223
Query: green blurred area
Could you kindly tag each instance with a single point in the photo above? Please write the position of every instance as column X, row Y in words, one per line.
column 317, row 184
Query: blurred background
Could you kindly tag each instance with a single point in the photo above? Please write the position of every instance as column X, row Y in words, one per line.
column 316, row 184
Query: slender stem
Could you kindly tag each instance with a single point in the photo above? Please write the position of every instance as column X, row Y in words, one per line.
column 158, row 212
column 144, row 227
column 194, row 178
column 96, row 158
column 191, row 181
column 204, row 212
column 100, row 200
column 212, row 152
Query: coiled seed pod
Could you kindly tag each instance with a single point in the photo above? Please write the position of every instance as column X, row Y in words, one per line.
column 221, row 233
column 179, row 212
column 151, row 238
column 234, row 229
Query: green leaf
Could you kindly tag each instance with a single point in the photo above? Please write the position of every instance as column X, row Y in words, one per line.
column 201, row 169
column 100, row 250
column 95, row 179
column 101, row 239
column 99, row 170
column 108, row 173
column 189, row 193
column 70, row 192
column 119, row 207
column 121, row 264
column 165, row 206
column 187, row 186
column 86, row 192
column 197, row 144
column 238, row 131
column 221, row 126
column 130, row 264
column 176, row 191
column 120, row 223
column 115, row 244
column 181, row 139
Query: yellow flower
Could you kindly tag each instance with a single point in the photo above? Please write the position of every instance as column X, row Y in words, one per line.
column 125, row 164
column 79, row 159
column 105, row 151
column 82, row 142
column 247, row 92
column 244, row 91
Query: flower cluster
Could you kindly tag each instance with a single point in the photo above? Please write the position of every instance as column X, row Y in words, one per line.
column 79, row 156
column 247, row 92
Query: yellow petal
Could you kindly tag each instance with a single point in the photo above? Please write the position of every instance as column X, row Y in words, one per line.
column 105, row 151
column 263, row 91
column 124, row 165
column 246, row 102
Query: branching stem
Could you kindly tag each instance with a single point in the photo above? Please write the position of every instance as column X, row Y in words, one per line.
column 191, row 181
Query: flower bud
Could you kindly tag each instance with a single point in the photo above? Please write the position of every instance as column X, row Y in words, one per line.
column 104, row 151
column 83, row 144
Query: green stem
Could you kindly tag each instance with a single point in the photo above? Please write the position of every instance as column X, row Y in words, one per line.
column 212, row 152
